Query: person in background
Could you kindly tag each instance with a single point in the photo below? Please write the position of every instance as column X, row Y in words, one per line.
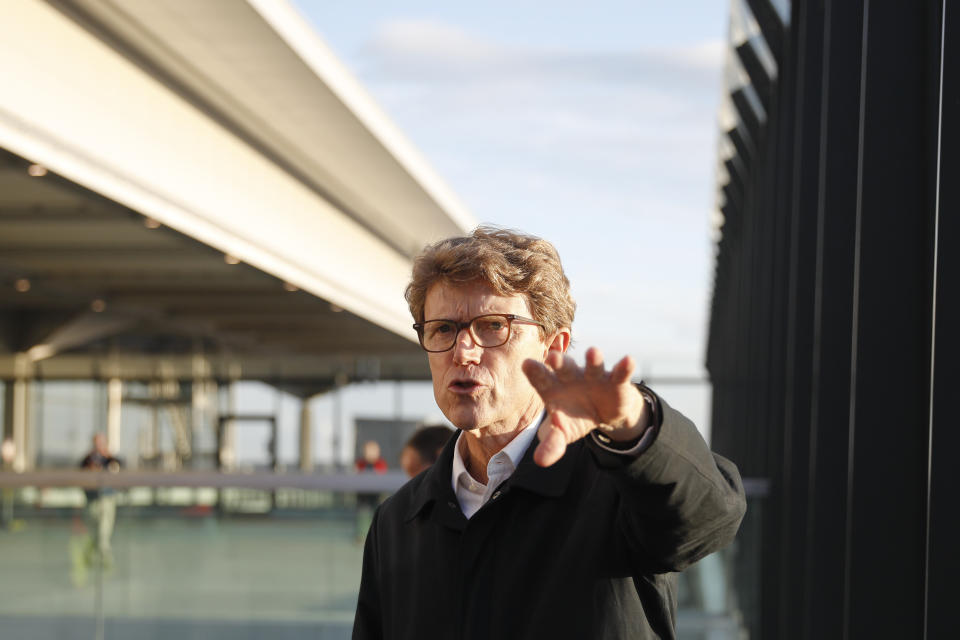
column 423, row 448
column 371, row 459
column 101, row 510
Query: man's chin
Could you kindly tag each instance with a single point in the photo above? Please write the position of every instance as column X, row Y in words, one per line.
column 464, row 418
column 465, row 425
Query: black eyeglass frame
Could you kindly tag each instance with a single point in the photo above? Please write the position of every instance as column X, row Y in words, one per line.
column 468, row 324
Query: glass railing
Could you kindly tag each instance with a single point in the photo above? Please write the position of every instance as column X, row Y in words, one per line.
column 206, row 555
column 717, row 596
column 743, row 561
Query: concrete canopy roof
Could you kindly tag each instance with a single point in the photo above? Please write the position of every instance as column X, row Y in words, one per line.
column 230, row 127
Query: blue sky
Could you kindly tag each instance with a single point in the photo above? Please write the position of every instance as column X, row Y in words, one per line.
column 593, row 126
column 602, row 25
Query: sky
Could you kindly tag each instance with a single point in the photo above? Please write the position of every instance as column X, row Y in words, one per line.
column 593, row 126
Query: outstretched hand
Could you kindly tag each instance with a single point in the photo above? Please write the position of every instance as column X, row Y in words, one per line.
column 581, row 399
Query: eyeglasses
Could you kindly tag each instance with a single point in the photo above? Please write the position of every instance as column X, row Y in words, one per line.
column 490, row 330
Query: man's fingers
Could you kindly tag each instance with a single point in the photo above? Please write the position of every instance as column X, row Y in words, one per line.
column 594, row 368
column 554, row 360
column 623, row 370
column 568, row 369
column 552, row 445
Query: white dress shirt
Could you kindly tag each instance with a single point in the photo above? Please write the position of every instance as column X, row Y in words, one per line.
column 473, row 494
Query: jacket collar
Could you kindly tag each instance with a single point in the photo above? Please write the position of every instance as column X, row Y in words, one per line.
column 435, row 485
column 549, row 481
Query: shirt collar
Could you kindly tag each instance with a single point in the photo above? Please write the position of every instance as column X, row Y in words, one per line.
column 434, row 485
column 514, row 450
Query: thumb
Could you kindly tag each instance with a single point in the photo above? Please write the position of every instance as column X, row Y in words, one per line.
column 553, row 444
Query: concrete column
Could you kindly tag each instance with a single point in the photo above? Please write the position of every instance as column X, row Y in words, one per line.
column 227, row 447
column 306, row 436
column 335, row 432
column 114, row 403
column 6, row 428
column 203, row 406
column 18, row 411
column 19, row 417
column 156, row 393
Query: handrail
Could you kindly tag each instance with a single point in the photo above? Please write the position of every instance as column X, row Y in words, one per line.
column 336, row 482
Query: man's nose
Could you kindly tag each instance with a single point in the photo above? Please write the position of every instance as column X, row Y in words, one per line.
column 465, row 348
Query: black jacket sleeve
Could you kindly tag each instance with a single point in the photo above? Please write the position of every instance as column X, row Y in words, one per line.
column 678, row 500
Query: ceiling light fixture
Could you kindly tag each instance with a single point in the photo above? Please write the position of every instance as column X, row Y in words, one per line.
column 287, row 286
column 229, row 259
column 150, row 223
column 22, row 285
column 37, row 170
column 335, row 308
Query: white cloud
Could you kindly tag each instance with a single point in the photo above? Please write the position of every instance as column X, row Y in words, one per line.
column 406, row 50
column 706, row 55
column 416, row 38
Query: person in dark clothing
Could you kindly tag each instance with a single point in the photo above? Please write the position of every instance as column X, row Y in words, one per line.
column 423, row 448
column 101, row 509
column 570, row 495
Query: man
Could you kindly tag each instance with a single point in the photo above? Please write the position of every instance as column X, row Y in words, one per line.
column 569, row 495
column 423, row 448
column 101, row 509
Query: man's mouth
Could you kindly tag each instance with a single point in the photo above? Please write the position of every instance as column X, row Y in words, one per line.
column 464, row 386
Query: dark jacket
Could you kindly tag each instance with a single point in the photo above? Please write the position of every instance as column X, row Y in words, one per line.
column 582, row 549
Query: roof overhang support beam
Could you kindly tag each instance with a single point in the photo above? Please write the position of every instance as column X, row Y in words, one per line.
column 157, row 154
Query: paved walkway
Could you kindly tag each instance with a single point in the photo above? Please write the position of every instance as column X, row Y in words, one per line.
column 299, row 576
column 199, row 578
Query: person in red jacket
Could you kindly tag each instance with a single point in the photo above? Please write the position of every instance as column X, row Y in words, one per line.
column 371, row 460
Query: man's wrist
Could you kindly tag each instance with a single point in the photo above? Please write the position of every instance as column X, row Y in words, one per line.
column 636, row 423
column 629, row 440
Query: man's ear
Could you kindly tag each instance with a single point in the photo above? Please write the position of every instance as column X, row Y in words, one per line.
column 560, row 340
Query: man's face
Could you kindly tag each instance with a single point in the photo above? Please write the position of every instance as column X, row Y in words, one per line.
column 477, row 387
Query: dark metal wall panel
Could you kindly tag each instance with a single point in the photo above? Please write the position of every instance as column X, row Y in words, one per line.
column 943, row 518
column 891, row 331
column 807, row 22
column 824, row 548
column 821, row 325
